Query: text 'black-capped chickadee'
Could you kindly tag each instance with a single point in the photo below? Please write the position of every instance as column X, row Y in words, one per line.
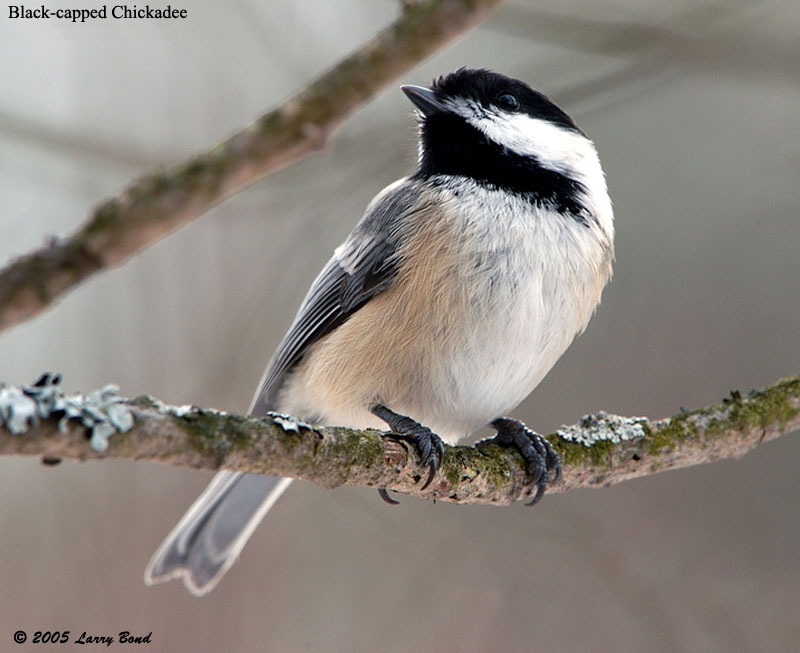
column 453, row 296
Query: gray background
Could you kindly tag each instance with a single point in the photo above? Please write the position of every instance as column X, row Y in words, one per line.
column 694, row 109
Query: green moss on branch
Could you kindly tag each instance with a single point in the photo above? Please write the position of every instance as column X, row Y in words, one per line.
column 601, row 449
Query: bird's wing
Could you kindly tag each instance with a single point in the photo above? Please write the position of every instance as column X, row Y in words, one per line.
column 362, row 267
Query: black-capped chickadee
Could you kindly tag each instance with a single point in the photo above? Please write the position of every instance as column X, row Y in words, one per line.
column 450, row 300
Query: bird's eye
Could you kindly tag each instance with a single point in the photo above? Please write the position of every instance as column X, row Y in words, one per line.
column 508, row 101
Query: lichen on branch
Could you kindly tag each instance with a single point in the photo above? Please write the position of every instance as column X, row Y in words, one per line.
column 599, row 450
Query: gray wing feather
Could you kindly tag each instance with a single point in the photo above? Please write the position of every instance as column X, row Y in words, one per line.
column 364, row 266
column 212, row 533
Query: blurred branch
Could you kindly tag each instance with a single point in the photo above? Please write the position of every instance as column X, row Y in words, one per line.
column 164, row 200
column 599, row 450
column 703, row 37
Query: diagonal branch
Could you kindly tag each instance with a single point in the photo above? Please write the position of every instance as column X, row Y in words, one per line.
column 600, row 450
column 164, row 200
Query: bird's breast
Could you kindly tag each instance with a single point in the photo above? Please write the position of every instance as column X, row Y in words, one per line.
column 487, row 297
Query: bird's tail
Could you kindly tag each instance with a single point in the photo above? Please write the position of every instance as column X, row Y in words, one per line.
column 212, row 533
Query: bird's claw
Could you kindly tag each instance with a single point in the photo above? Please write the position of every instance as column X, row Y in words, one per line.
column 384, row 494
column 428, row 444
column 540, row 458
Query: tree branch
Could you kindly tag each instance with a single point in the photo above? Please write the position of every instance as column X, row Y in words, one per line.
column 166, row 199
column 600, row 450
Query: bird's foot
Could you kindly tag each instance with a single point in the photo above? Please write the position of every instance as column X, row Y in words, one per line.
column 428, row 444
column 540, row 458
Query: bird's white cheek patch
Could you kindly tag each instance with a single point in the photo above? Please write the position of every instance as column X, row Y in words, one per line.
column 554, row 147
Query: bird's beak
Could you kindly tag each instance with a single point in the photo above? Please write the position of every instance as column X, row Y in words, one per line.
column 424, row 99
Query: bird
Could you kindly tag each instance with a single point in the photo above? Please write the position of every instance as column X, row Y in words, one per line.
column 455, row 293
